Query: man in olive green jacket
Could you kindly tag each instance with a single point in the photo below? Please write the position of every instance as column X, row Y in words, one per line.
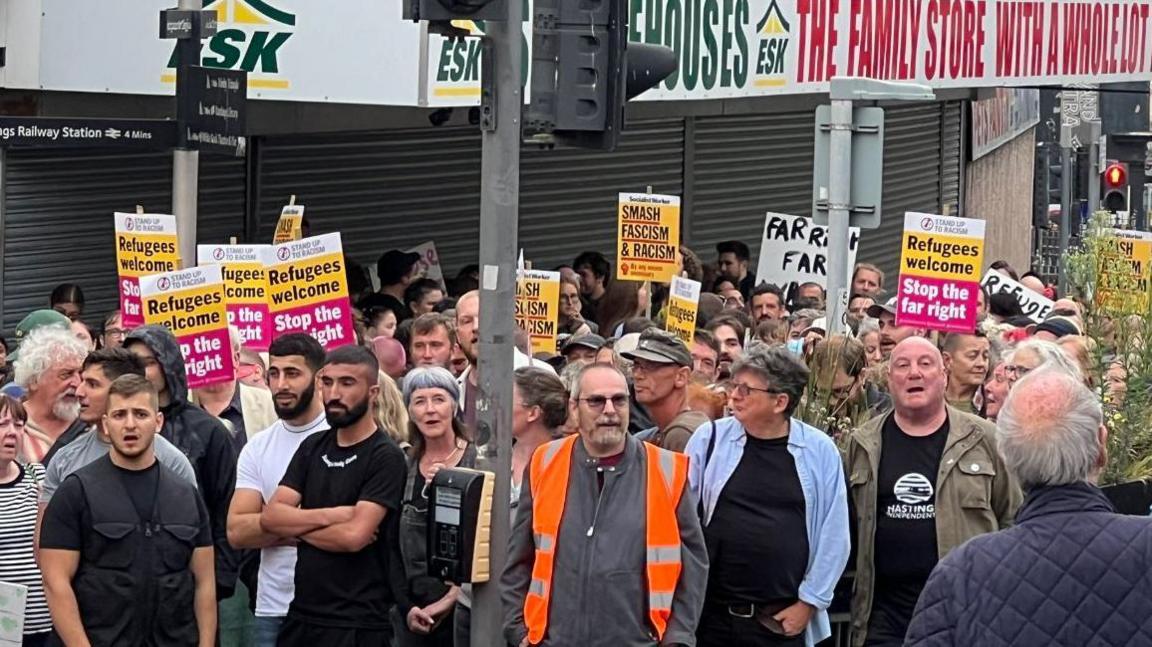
column 924, row 479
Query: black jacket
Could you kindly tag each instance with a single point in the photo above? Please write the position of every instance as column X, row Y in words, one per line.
column 1071, row 572
column 134, row 585
column 206, row 443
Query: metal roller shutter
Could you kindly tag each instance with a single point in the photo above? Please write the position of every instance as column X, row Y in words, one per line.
column 952, row 154
column 568, row 197
column 58, row 209
column 744, row 166
column 397, row 189
column 380, row 190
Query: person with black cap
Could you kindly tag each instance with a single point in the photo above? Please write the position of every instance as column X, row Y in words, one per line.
column 1054, row 328
column 582, row 347
column 396, row 271
column 661, row 372
column 732, row 262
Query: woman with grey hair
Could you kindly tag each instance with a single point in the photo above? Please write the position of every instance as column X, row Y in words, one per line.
column 775, row 509
column 439, row 440
column 1034, row 353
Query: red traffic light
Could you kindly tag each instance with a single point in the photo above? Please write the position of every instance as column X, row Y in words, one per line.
column 1116, row 176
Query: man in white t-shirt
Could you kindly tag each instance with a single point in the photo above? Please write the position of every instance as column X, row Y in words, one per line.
column 293, row 362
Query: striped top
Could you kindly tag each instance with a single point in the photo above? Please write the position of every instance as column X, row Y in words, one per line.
column 18, row 505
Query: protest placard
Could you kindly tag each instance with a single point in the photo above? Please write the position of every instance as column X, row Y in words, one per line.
column 308, row 290
column 190, row 303
column 1122, row 272
column 290, row 226
column 145, row 244
column 940, row 266
column 794, row 250
column 683, row 304
column 245, row 274
column 648, row 235
column 13, row 608
column 429, row 263
column 538, row 307
column 1035, row 306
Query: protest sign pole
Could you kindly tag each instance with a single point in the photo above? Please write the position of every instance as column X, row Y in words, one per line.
column 501, row 102
column 1065, row 211
column 185, row 159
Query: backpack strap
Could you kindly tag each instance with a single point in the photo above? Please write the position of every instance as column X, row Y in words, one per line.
column 707, row 459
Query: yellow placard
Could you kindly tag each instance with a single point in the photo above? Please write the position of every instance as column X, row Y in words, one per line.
column 683, row 304
column 538, row 308
column 307, row 282
column 291, row 224
column 648, row 235
column 1125, row 291
column 957, row 258
column 245, row 282
column 188, row 312
column 137, row 255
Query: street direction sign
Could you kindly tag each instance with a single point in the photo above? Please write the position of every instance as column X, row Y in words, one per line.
column 67, row 132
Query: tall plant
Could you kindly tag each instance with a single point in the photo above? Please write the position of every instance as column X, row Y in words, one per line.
column 1111, row 276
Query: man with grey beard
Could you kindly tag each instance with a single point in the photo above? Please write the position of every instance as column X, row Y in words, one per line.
column 48, row 367
column 577, row 534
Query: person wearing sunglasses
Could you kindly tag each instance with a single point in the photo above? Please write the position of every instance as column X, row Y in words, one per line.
column 771, row 494
column 606, row 548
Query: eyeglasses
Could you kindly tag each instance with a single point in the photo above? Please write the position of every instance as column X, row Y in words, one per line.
column 743, row 390
column 114, row 332
column 646, row 366
column 597, row 402
column 1015, row 371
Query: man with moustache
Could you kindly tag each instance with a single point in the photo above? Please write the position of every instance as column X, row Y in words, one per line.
column 340, row 498
column 923, row 480
column 48, row 367
column 125, row 548
column 100, row 369
column 294, row 361
column 580, row 551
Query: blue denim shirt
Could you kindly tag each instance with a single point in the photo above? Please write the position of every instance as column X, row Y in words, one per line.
column 821, row 473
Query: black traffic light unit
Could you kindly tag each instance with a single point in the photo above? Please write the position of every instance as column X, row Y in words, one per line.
column 584, row 70
column 1114, row 187
column 448, row 10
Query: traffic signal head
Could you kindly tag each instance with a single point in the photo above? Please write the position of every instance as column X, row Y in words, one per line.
column 447, row 10
column 584, row 70
column 1114, row 193
column 1115, row 176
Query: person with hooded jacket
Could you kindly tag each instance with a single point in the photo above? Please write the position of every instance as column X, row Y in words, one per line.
column 201, row 436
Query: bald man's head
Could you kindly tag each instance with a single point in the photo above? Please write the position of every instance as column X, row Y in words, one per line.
column 468, row 324
column 1051, row 429
column 916, row 378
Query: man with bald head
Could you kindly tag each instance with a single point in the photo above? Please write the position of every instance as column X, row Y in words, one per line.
column 1071, row 571
column 924, row 479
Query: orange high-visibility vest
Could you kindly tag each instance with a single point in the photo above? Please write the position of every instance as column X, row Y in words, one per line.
column 667, row 475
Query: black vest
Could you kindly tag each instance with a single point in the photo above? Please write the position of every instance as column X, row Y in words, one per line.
column 134, row 584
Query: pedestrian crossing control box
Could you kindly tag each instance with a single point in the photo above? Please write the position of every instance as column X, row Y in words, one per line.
column 460, row 524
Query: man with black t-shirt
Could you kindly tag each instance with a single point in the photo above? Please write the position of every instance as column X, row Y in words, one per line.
column 925, row 479
column 125, row 546
column 341, row 496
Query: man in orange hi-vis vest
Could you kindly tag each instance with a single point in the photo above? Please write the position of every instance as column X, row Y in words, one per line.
column 606, row 550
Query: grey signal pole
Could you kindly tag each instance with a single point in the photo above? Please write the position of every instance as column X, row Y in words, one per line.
column 500, row 120
column 185, row 160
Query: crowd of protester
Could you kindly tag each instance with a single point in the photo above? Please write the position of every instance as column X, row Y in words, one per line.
column 289, row 506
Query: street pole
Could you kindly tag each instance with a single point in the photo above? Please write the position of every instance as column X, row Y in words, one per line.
column 839, row 203
column 1065, row 211
column 185, row 160
column 501, row 103
column 1094, row 169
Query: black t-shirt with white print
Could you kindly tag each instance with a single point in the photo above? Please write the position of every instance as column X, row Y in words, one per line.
column 905, row 542
column 347, row 589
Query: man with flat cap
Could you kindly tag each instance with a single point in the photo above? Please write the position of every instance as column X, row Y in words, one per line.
column 661, row 372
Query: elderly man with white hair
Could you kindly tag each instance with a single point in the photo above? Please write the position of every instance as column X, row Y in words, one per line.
column 1071, row 571
column 48, row 367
